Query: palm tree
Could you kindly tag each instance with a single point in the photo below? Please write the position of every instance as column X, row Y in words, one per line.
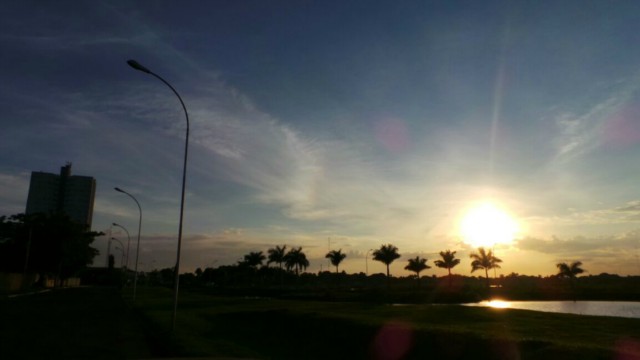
column 448, row 262
column 417, row 265
column 570, row 272
column 276, row 255
column 386, row 255
column 253, row 259
column 296, row 259
column 336, row 257
column 484, row 260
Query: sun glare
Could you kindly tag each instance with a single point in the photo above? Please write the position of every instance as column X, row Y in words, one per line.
column 498, row 304
column 485, row 225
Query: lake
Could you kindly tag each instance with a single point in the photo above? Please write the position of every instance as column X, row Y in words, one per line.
column 599, row 308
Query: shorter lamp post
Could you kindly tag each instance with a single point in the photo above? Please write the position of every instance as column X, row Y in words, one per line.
column 121, row 249
column 135, row 278
column 121, row 256
column 128, row 241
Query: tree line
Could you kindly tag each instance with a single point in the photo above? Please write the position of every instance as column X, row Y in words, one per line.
column 50, row 245
column 295, row 260
column 53, row 245
column 280, row 271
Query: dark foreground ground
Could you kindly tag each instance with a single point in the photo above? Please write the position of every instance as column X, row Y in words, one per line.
column 96, row 323
column 75, row 323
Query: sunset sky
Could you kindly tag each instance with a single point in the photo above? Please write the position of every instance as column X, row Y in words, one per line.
column 336, row 125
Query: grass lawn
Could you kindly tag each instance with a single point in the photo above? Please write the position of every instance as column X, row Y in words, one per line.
column 76, row 323
column 98, row 323
column 282, row 329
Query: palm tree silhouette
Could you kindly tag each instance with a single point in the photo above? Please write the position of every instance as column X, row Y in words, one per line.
column 484, row 260
column 570, row 271
column 336, row 258
column 386, row 255
column 417, row 265
column 448, row 261
column 253, row 259
column 276, row 255
column 296, row 259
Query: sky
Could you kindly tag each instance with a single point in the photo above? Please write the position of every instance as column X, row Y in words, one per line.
column 336, row 125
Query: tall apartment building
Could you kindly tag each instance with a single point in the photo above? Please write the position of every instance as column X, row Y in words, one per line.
column 72, row 195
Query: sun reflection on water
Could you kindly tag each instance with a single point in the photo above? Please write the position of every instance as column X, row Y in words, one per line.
column 498, row 304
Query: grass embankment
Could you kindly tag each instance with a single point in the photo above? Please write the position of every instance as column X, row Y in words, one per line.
column 283, row 329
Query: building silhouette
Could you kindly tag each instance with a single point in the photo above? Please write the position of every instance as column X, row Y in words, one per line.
column 68, row 194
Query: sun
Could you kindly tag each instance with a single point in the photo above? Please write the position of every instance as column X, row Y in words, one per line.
column 485, row 225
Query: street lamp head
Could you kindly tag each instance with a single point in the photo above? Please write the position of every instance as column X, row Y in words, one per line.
column 114, row 224
column 118, row 189
column 134, row 64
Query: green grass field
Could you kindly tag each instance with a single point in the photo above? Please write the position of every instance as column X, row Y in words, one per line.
column 284, row 329
column 101, row 323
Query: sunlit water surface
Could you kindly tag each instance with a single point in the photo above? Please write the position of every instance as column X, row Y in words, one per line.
column 599, row 308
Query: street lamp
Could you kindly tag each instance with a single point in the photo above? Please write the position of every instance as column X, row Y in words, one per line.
column 134, row 64
column 121, row 248
column 121, row 256
column 135, row 277
column 128, row 241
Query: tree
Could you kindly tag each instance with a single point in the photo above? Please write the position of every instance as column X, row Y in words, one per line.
column 253, row 259
column 448, row 262
column 335, row 257
column 296, row 259
column 45, row 243
column 417, row 265
column 484, row 259
column 570, row 271
column 276, row 255
column 386, row 255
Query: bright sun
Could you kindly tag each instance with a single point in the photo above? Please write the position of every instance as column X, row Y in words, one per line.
column 485, row 225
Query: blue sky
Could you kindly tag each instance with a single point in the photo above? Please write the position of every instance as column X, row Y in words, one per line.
column 351, row 123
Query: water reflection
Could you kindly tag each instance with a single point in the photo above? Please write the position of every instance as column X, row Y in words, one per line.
column 600, row 308
column 498, row 304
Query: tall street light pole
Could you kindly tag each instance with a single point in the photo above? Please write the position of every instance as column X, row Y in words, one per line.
column 135, row 277
column 128, row 242
column 134, row 64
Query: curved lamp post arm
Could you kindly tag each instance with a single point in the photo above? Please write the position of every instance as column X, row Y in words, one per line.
column 131, row 196
column 134, row 64
column 119, row 242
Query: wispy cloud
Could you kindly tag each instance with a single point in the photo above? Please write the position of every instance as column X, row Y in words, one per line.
column 581, row 132
column 614, row 253
column 626, row 214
